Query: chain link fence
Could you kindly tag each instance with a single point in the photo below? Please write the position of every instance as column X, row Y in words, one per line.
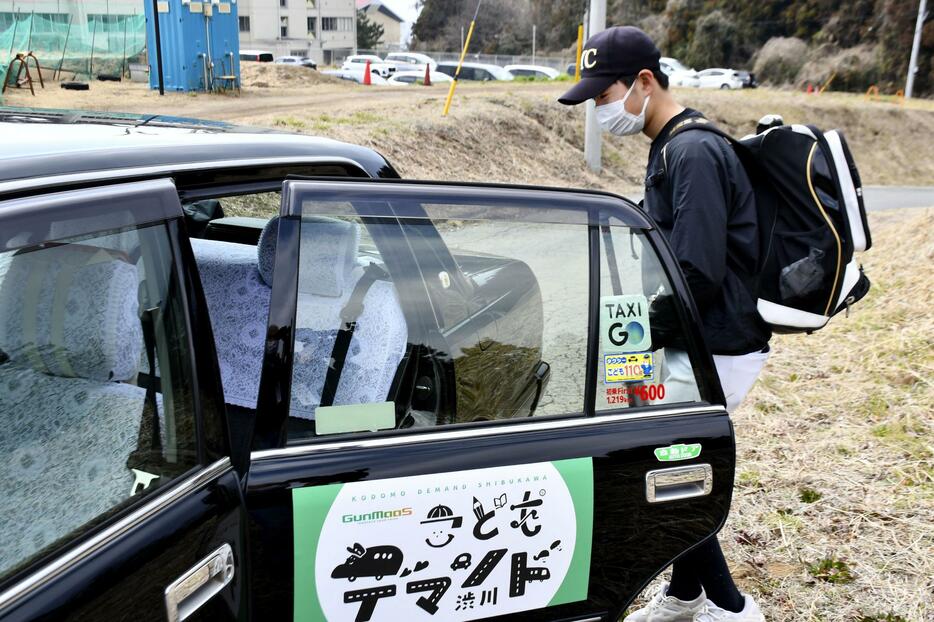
column 94, row 45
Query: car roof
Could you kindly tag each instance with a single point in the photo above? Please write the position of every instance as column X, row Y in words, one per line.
column 40, row 143
column 453, row 63
column 541, row 68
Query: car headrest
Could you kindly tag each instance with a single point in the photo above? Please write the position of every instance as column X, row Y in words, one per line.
column 72, row 310
column 327, row 259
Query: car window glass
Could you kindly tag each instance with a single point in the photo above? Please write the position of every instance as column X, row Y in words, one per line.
column 644, row 357
column 96, row 393
column 451, row 324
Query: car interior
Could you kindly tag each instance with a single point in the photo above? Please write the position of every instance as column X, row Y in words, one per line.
column 79, row 376
column 235, row 259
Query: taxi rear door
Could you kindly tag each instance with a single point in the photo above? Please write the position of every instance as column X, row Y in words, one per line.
column 477, row 402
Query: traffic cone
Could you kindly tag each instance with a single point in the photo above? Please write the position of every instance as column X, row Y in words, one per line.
column 427, row 81
column 366, row 75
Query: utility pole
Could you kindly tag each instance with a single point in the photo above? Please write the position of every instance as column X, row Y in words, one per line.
column 913, row 63
column 158, row 42
column 533, row 44
column 592, row 138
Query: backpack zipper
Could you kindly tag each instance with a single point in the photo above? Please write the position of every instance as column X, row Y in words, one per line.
column 820, row 206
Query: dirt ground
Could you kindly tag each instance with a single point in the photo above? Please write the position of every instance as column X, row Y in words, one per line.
column 833, row 511
column 509, row 131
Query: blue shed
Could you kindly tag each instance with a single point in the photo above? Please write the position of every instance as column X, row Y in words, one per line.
column 200, row 44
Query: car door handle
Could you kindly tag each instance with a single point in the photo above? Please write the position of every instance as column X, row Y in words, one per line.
column 196, row 587
column 677, row 483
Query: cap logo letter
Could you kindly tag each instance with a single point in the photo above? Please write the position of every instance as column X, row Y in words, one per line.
column 588, row 58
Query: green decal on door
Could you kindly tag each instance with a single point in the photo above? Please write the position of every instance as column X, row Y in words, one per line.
column 444, row 546
column 673, row 453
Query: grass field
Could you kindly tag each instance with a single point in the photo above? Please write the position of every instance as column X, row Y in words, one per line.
column 833, row 512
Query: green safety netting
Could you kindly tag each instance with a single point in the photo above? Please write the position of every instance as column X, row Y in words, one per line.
column 97, row 44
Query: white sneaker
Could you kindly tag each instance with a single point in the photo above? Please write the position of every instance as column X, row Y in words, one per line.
column 712, row 613
column 664, row 608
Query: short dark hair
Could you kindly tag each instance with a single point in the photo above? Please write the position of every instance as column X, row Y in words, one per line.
column 660, row 76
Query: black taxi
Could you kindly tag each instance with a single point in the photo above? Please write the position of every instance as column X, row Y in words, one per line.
column 248, row 375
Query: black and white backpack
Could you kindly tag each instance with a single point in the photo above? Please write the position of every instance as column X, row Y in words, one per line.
column 812, row 220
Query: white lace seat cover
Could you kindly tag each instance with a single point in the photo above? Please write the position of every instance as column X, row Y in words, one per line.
column 237, row 279
column 69, row 322
column 238, row 304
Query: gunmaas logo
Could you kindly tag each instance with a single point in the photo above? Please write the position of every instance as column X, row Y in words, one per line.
column 376, row 515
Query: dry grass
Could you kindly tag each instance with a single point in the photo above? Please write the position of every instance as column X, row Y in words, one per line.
column 833, row 510
column 512, row 131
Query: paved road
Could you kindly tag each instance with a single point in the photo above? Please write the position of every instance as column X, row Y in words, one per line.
column 878, row 198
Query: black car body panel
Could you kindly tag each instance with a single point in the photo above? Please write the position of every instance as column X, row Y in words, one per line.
column 475, row 360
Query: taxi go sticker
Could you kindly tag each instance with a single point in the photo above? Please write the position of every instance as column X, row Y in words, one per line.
column 449, row 546
column 624, row 324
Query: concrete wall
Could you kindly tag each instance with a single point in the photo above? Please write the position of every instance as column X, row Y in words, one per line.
column 74, row 7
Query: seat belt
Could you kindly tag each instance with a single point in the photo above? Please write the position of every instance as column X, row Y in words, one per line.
column 349, row 316
column 148, row 452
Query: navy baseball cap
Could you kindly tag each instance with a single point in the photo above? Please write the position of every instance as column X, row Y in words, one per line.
column 609, row 55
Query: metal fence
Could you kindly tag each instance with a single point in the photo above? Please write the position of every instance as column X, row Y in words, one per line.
column 555, row 62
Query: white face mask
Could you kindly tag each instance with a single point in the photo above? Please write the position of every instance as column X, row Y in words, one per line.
column 615, row 119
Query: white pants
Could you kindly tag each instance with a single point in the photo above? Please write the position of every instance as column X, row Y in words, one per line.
column 737, row 375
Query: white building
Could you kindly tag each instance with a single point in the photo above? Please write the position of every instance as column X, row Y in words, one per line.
column 77, row 11
column 324, row 30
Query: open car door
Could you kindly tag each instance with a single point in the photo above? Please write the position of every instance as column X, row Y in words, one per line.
column 477, row 402
column 119, row 498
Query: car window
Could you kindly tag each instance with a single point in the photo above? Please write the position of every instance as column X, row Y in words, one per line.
column 96, row 389
column 482, row 74
column 644, row 356
column 415, row 313
column 471, row 330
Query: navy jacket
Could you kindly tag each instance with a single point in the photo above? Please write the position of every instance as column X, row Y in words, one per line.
column 698, row 193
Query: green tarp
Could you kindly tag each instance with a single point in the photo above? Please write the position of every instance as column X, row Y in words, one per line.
column 99, row 44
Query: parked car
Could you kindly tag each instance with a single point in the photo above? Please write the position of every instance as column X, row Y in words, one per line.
column 532, row 71
column 475, row 71
column 402, row 78
column 748, row 79
column 299, row 61
column 377, row 65
column 256, row 56
column 720, row 79
column 355, row 74
column 678, row 74
column 203, row 413
column 411, row 61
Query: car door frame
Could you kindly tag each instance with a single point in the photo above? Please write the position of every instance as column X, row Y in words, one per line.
column 179, row 516
column 277, row 466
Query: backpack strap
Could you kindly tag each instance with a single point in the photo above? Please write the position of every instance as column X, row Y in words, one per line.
column 695, row 123
column 767, row 214
column 349, row 316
